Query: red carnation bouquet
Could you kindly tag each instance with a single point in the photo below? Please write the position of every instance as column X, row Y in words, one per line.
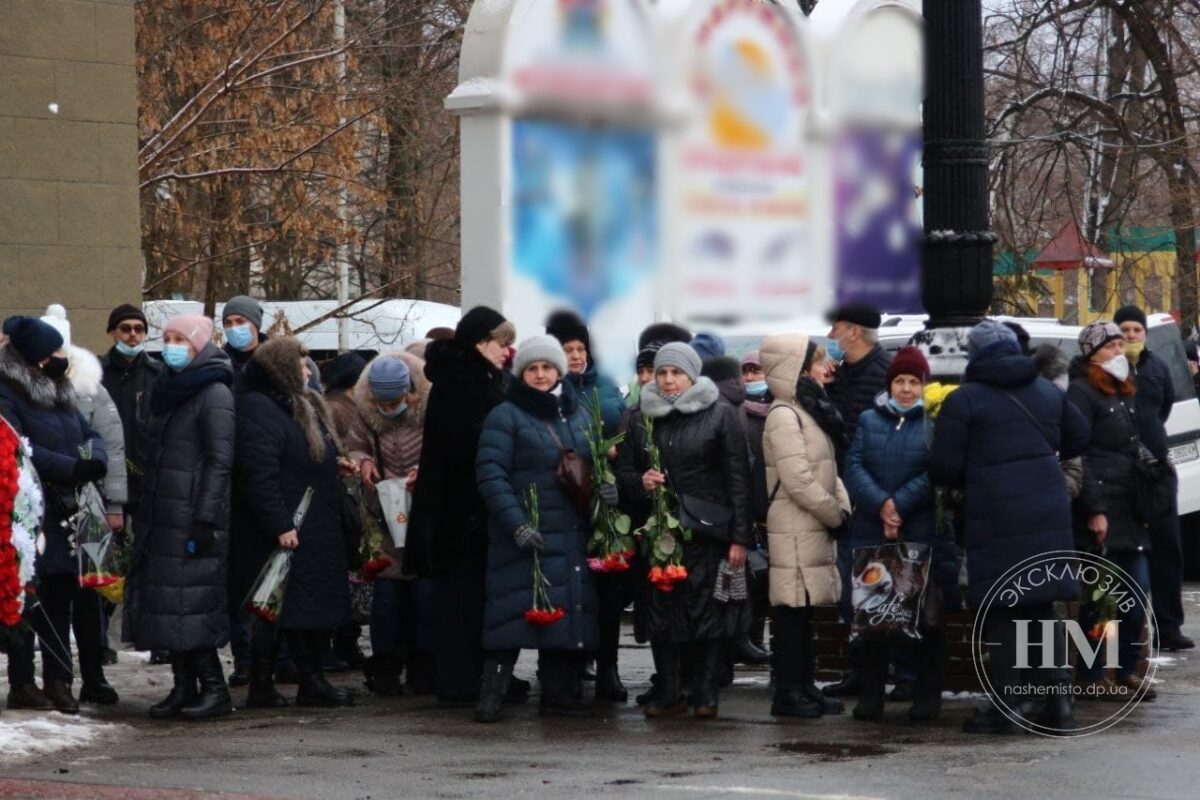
column 543, row 612
column 611, row 543
column 663, row 535
column 371, row 556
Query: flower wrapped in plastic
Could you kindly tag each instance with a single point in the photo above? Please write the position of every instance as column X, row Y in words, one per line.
column 264, row 601
column 95, row 546
column 543, row 612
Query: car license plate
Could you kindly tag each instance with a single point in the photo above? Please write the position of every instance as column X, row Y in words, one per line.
column 1188, row 451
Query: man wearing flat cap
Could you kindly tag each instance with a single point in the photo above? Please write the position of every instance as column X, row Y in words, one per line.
column 864, row 364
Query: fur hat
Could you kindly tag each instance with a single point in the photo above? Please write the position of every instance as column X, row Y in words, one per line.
column 908, row 361
column 279, row 360
column 246, row 307
column 1096, row 335
column 661, row 333
column 681, row 356
column 196, row 328
column 477, row 325
column 540, row 348
column 33, row 339
column 566, row 326
column 722, row 368
column 343, row 371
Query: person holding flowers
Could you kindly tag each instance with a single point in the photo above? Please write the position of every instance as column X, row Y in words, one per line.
column 175, row 590
column 540, row 593
column 37, row 399
column 286, row 446
column 688, row 452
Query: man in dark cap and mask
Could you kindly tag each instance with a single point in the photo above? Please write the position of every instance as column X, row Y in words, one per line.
column 854, row 341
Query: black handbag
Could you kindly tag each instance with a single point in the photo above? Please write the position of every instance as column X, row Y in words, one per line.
column 705, row 518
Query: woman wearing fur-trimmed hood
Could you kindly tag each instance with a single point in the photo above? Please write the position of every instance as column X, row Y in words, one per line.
column 706, row 462
column 285, row 446
column 390, row 397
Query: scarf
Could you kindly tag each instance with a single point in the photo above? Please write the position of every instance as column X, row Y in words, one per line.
column 812, row 398
column 169, row 391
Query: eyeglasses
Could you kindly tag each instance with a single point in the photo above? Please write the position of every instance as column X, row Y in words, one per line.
column 138, row 329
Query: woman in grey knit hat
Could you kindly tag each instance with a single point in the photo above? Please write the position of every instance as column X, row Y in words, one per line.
column 704, row 461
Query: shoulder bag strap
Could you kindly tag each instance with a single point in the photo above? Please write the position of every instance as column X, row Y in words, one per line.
column 800, row 422
column 1033, row 419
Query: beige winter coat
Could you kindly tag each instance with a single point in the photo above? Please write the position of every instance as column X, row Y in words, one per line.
column 811, row 497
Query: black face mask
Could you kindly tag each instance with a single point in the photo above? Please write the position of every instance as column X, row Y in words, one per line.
column 55, row 367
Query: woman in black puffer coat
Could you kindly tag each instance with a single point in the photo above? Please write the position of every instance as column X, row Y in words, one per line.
column 175, row 595
column 286, row 445
column 703, row 448
column 1103, row 389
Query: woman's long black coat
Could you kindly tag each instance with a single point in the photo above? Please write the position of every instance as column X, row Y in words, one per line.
column 273, row 470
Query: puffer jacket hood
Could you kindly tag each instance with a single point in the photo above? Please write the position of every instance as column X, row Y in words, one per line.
column 782, row 357
column 414, row 416
column 34, row 385
column 1002, row 369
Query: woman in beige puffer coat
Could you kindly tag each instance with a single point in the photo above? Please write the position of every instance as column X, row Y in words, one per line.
column 800, row 446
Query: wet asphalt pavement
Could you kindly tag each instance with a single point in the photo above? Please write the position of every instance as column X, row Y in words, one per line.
column 406, row 747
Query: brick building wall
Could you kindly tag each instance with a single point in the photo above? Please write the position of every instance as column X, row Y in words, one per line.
column 69, row 229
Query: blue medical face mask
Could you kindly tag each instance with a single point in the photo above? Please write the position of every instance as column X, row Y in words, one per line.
column 899, row 409
column 239, row 336
column 176, row 356
column 395, row 412
column 756, row 388
column 130, row 352
column 835, row 350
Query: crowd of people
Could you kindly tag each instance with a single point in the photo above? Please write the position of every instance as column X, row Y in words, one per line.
column 780, row 464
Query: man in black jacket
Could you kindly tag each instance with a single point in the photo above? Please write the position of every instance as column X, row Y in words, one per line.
column 1154, row 400
column 129, row 372
column 864, row 364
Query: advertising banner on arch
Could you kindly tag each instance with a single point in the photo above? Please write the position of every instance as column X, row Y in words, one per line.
column 741, row 188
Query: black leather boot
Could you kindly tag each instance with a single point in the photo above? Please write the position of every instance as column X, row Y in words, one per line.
column 746, row 652
column 262, row 692
column 314, row 691
column 183, row 692
column 873, row 675
column 561, row 677
column 608, row 683
column 849, row 686
column 787, row 653
column 492, row 688
column 59, row 693
column 241, row 672
column 95, row 687
column 382, row 674
column 705, row 696
column 668, row 700
column 213, row 700
column 931, row 665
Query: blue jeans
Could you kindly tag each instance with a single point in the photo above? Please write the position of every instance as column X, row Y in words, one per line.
column 1130, row 640
column 387, row 606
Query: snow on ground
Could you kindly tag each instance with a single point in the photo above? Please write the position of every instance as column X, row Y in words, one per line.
column 27, row 734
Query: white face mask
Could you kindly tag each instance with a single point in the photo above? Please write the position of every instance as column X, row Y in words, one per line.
column 1117, row 367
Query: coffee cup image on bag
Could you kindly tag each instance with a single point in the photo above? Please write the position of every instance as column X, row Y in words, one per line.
column 873, row 582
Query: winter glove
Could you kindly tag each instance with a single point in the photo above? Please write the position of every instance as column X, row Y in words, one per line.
column 608, row 493
column 88, row 470
column 202, row 540
column 527, row 538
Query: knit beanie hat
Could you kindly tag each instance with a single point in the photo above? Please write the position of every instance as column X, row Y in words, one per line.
column 246, row 307
column 477, row 325
column 1130, row 313
column 681, row 356
column 1096, row 335
column 908, row 361
column 122, row 313
column 753, row 358
column 196, row 328
column 56, row 317
column 566, row 326
column 988, row 333
column 388, row 378
column 540, row 348
column 33, row 339
column 708, row 345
